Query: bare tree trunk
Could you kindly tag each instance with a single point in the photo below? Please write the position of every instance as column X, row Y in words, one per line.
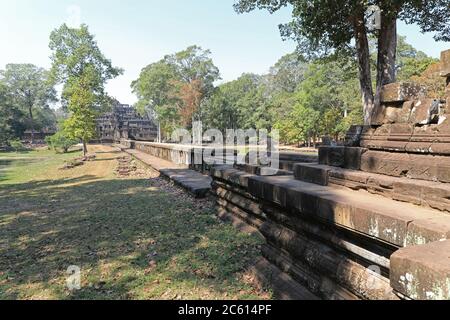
column 387, row 52
column 365, row 76
column 85, row 150
column 30, row 111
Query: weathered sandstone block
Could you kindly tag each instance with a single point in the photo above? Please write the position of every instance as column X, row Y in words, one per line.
column 445, row 63
column 344, row 157
column 425, row 111
column 414, row 166
column 424, row 231
column 332, row 156
column 402, row 91
column 387, row 219
column 390, row 137
column 311, row 173
column 393, row 113
column 422, row 272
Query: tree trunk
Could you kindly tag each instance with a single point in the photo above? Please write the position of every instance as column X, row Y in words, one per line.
column 30, row 112
column 387, row 52
column 85, row 150
column 365, row 76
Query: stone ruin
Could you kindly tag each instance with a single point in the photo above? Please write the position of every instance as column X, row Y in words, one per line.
column 368, row 220
column 371, row 219
column 123, row 122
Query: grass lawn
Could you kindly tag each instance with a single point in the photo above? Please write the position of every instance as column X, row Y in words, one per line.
column 133, row 238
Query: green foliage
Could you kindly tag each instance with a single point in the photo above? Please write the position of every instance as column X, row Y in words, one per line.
column 194, row 63
column 411, row 62
column 29, row 96
column 82, row 68
column 321, row 101
column 241, row 103
column 17, row 145
column 154, row 85
column 300, row 126
column 287, row 73
column 321, row 26
column 75, row 50
column 159, row 86
column 6, row 117
column 81, row 124
column 60, row 142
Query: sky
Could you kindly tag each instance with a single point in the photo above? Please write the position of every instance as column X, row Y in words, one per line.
column 135, row 33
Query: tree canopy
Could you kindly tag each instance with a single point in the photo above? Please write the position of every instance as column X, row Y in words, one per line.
column 324, row 27
column 31, row 92
column 81, row 67
column 175, row 87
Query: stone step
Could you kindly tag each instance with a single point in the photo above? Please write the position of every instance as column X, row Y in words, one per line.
column 386, row 220
column 296, row 156
column 418, row 166
column 429, row 194
column 282, row 284
column 194, row 182
column 262, row 170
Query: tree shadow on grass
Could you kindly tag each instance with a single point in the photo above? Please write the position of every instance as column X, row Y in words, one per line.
column 7, row 191
column 7, row 164
column 131, row 240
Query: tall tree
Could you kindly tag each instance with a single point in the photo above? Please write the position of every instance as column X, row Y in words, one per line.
column 30, row 91
column 194, row 63
column 410, row 61
column 287, row 73
column 329, row 90
column 81, row 67
column 325, row 26
column 176, row 86
column 9, row 124
column 190, row 97
column 154, row 85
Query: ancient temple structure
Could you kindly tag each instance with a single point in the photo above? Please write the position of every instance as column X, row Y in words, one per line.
column 123, row 122
column 367, row 220
column 371, row 219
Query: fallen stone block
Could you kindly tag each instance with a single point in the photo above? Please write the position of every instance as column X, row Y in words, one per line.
column 343, row 157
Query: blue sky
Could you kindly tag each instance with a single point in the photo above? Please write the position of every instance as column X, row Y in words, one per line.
column 134, row 33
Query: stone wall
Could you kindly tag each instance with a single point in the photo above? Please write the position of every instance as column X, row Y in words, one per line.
column 369, row 220
column 337, row 243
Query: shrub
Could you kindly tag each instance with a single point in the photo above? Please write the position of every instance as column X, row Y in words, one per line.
column 17, row 145
column 60, row 142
